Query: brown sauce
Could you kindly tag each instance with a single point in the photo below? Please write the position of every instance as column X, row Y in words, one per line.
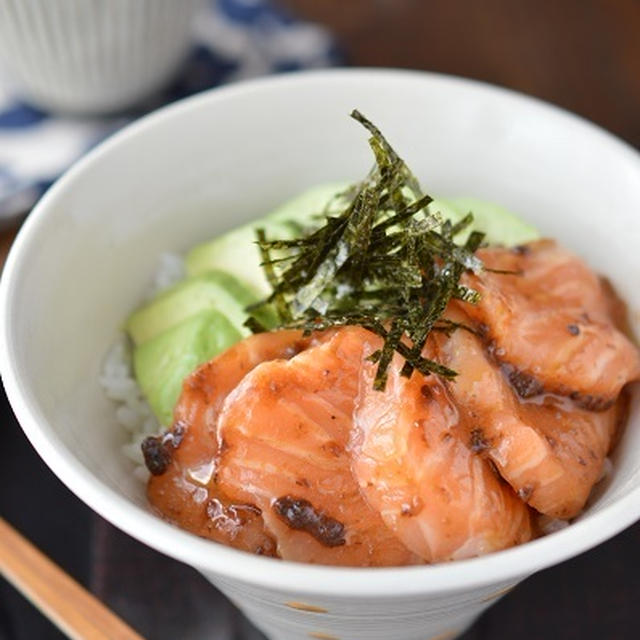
column 300, row 514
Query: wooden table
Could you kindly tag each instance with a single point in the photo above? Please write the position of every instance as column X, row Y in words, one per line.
column 6, row 238
column 583, row 55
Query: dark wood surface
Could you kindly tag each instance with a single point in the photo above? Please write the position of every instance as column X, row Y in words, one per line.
column 6, row 237
column 583, row 55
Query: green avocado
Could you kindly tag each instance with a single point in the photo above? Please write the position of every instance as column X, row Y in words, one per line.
column 499, row 225
column 162, row 363
column 212, row 290
column 236, row 250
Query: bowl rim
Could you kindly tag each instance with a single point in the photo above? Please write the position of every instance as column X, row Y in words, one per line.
column 228, row 563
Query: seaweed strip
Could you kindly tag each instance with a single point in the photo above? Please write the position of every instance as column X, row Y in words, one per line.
column 384, row 262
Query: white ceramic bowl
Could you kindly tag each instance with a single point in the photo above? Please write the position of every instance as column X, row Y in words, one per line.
column 190, row 171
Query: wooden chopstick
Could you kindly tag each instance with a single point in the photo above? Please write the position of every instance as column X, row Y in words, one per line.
column 75, row 611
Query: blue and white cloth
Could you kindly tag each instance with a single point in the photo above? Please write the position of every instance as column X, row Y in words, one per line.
column 233, row 40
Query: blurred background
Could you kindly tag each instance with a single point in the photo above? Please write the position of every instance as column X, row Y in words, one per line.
column 583, row 55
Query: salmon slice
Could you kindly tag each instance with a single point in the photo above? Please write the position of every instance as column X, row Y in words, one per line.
column 554, row 323
column 549, row 450
column 280, row 445
column 183, row 461
column 414, row 465
column 283, row 437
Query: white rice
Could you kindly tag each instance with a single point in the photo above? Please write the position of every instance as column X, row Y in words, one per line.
column 607, row 469
column 551, row 525
column 170, row 271
column 132, row 412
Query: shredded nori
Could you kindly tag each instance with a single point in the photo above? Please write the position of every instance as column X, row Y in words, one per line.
column 385, row 262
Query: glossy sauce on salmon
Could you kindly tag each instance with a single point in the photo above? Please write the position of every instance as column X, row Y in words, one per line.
column 182, row 490
column 284, row 432
column 550, row 450
column 281, row 446
column 416, row 466
column 555, row 323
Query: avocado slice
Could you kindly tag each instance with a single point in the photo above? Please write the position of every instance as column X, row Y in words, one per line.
column 236, row 251
column 162, row 363
column 212, row 290
column 500, row 226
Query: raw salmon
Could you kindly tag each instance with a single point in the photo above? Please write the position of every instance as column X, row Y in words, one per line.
column 182, row 484
column 554, row 322
column 281, row 446
column 549, row 450
column 283, row 436
column 415, row 465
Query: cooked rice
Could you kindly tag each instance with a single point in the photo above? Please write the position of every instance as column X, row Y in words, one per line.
column 132, row 410
column 170, row 271
column 607, row 469
column 549, row 525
